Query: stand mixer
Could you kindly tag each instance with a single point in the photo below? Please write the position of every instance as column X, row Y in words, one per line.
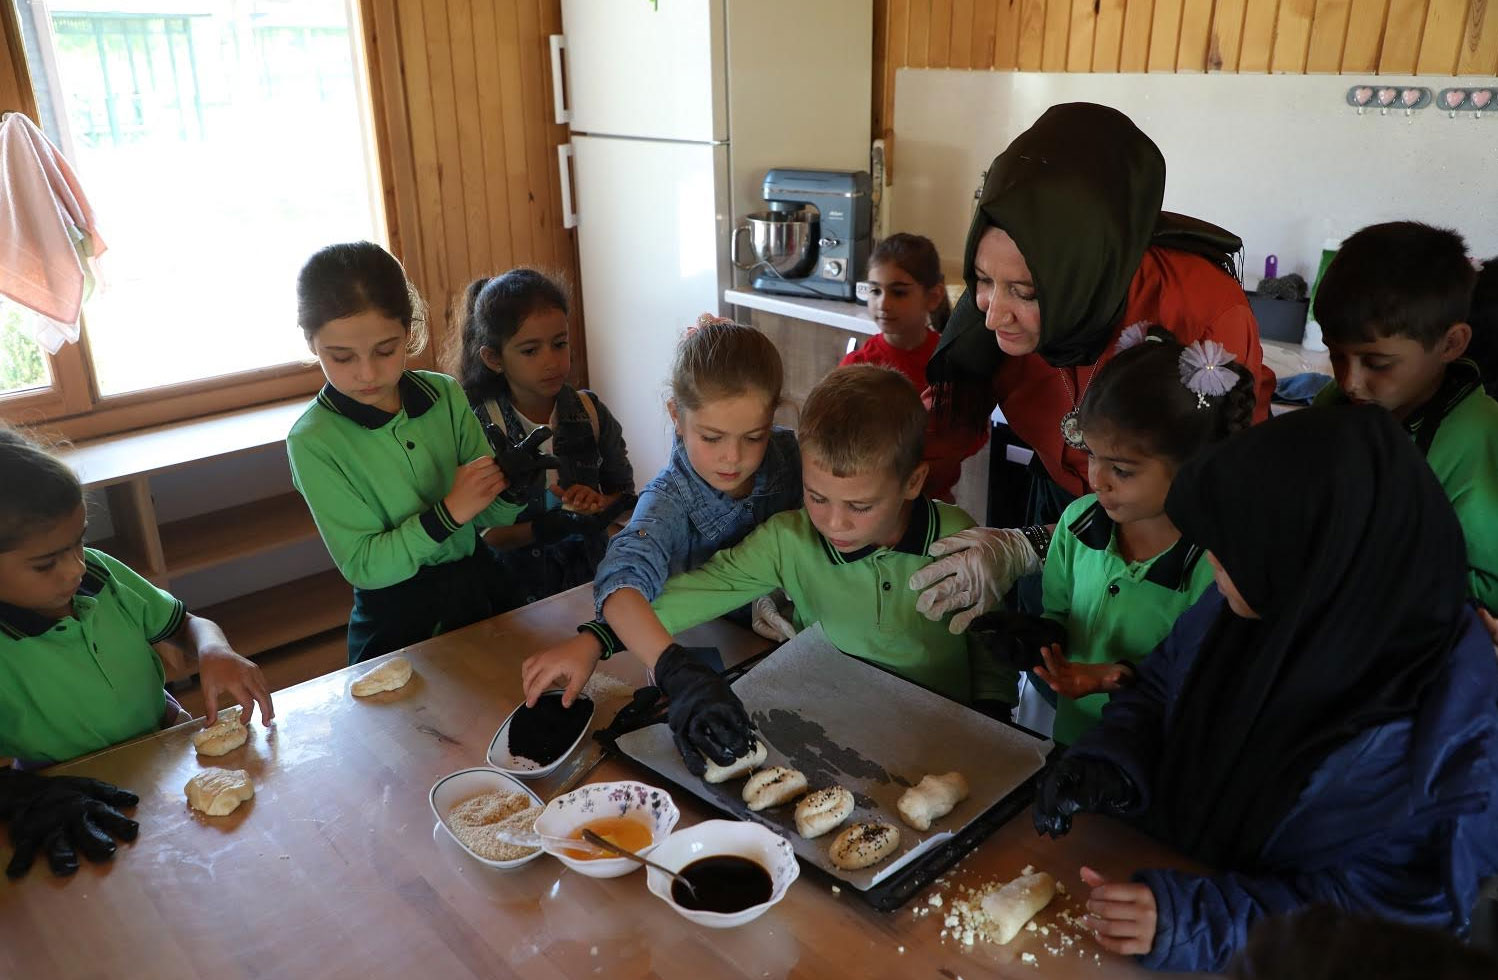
column 815, row 238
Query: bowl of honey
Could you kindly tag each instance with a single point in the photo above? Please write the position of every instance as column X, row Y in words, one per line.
column 736, row 869
column 628, row 814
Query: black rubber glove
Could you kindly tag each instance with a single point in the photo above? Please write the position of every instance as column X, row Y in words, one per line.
column 1080, row 785
column 1015, row 640
column 62, row 815
column 523, row 462
column 706, row 717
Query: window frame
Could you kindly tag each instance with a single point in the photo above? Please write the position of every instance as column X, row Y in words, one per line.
column 71, row 406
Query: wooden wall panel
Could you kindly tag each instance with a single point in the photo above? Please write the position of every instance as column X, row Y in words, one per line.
column 1282, row 36
column 462, row 92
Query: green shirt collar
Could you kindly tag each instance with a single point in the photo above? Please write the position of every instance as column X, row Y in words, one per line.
column 1171, row 570
column 417, row 395
column 920, row 532
column 18, row 623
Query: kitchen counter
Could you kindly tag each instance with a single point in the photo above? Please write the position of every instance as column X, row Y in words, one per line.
column 334, row 868
column 828, row 312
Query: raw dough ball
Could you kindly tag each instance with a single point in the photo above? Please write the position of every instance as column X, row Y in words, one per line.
column 822, row 811
column 933, row 798
column 388, row 676
column 864, row 844
column 742, row 766
column 218, row 792
column 223, row 736
column 1016, row 903
column 773, row 786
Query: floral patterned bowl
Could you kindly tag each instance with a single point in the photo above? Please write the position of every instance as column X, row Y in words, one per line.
column 637, row 801
column 713, row 838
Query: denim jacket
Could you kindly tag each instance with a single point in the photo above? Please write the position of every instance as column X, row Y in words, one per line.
column 680, row 521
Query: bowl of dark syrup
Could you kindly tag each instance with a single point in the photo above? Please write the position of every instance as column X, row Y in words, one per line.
column 737, row 869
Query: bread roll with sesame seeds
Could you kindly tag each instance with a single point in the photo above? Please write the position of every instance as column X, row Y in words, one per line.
column 773, row 786
column 864, row 845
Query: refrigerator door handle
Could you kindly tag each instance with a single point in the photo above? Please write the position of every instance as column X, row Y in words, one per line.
column 558, row 94
column 564, row 165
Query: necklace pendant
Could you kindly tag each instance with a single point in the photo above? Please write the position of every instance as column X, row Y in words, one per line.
column 1071, row 430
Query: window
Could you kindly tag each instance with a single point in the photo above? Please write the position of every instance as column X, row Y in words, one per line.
column 220, row 142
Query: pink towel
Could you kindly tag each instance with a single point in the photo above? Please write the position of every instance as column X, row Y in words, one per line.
column 46, row 229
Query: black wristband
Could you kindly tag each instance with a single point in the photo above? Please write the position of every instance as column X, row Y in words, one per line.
column 1040, row 540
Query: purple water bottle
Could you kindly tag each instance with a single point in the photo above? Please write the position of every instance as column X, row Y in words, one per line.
column 1271, row 266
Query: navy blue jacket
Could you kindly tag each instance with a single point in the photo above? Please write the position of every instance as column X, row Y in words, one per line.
column 1400, row 822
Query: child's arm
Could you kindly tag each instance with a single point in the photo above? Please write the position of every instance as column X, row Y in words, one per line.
column 222, row 671
column 370, row 555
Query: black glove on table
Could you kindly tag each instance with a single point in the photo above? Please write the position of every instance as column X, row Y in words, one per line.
column 1015, row 640
column 62, row 815
column 705, row 716
column 1080, row 785
column 523, row 462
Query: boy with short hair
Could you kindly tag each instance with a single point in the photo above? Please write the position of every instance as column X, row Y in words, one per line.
column 1393, row 308
column 843, row 560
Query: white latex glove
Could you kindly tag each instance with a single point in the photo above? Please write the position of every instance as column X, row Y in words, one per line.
column 768, row 622
column 975, row 568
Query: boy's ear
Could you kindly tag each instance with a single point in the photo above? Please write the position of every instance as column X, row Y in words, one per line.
column 916, row 481
column 934, row 296
column 1454, row 343
column 491, row 360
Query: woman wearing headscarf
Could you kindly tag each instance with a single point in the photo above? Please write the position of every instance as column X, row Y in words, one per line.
column 1067, row 248
column 1322, row 726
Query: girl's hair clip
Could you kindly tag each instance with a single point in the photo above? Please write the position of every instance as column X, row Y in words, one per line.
column 1204, row 370
column 1133, row 335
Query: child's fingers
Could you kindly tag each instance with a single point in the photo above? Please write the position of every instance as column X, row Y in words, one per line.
column 1091, row 878
column 1102, row 908
column 574, row 687
column 1125, row 947
column 1047, row 676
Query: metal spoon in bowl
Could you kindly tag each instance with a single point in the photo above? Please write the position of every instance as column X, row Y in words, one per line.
column 606, row 845
column 533, row 838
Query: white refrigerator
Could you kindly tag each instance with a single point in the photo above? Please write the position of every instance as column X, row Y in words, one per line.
column 677, row 108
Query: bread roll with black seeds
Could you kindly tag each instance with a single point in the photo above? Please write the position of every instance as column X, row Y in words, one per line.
column 773, row 786
column 864, row 845
column 822, row 811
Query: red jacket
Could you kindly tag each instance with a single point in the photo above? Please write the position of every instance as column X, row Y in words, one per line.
column 1184, row 293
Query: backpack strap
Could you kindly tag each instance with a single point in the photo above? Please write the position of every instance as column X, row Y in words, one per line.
column 497, row 417
column 592, row 411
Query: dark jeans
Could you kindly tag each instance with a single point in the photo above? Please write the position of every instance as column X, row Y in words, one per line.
column 438, row 598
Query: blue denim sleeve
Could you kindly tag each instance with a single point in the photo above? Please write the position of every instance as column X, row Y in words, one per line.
column 615, row 474
column 640, row 557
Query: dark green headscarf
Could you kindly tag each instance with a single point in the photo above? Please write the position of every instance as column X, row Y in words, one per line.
column 1080, row 193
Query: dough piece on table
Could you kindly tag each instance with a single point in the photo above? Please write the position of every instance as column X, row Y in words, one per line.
column 223, row 736
column 742, row 766
column 773, row 786
column 931, row 799
column 823, row 810
column 388, row 676
column 864, row 844
column 1016, row 903
column 218, row 792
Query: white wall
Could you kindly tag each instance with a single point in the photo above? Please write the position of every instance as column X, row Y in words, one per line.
column 1281, row 160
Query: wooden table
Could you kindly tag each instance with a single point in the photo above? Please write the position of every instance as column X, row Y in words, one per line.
column 334, row 869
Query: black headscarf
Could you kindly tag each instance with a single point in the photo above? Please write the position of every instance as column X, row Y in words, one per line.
column 1335, row 531
column 1079, row 192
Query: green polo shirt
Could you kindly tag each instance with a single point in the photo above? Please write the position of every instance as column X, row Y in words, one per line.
column 375, row 481
column 861, row 598
column 78, row 684
column 1113, row 609
column 1458, row 430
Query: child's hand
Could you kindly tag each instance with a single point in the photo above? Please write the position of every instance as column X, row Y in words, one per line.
column 226, row 672
column 475, row 486
column 570, row 664
column 1078, row 680
column 1120, row 914
column 580, row 498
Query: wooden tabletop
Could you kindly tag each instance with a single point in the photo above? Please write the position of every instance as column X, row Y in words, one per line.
column 336, row 869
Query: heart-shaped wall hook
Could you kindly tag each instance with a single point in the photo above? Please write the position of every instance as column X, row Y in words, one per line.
column 1481, row 98
column 1454, row 98
column 1411, row 97
column 1362, row 94
column 1386, row 96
